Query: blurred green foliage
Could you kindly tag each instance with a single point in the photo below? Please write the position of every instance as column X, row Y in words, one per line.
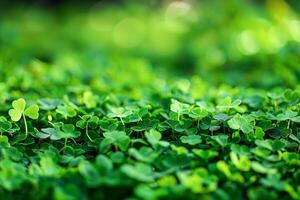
column 176, row 100
column 232, row 42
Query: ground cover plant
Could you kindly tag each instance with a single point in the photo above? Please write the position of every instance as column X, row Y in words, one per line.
column 89, row 113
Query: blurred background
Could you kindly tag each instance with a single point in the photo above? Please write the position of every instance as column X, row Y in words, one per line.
column 251, row 43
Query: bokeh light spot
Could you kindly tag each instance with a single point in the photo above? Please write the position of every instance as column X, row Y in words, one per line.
column 247, row 43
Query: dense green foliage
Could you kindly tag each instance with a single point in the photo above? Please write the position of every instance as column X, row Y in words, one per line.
column 88, row 113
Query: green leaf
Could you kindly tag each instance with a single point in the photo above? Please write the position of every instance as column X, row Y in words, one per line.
column 4, row 124
column 191, row 139
column 224, row 103
column 239, row 122
column 138, row 171
column 12, row 175
column 51, row 133
column 18, row 109
column 68, row 131
column 222, row 140
column 205, row 154
column 66, row 111
column 198, row 113
column 32, row 111
column 242, row 163
column 119, row 112
column 179, row 107
column 223, row 167
column 119, row 138
column 144, row 154
column 90, row 173
column 154, row 137
column 257, row 167
column 259, row 133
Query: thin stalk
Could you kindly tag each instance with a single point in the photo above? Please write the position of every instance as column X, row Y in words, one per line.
column 25, row 124
column 87, row 132
column 122, row 121
column 65, row 145
column 275, row 105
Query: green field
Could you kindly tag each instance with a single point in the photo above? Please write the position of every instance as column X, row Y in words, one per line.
column 153, row 100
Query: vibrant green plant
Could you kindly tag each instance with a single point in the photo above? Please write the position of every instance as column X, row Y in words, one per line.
column 18, row 111
column 140, row 108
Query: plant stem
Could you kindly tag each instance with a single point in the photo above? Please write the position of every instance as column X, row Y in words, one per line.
column 87, row 132
column 25, row 124
column 65, row 145
column 122, row 121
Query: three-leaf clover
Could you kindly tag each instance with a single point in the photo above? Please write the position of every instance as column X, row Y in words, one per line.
column 86, row 122
column 139, row 171
column 226, row 104
column 191, row 139
column 179, row 108
column 239, row 122
column 118, row 112
column 68, row 131
column 19, row 111
column 154, row 138
column 117, row 138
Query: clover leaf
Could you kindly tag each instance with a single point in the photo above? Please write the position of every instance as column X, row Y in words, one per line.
column 205, row 154
column 221, row 139
column 242, row 162
column 154, row 138
column 144, row 154
column 118, row 138
column 19, row 111
column 139, row 171
column 198, row 113
column 118, row 112
column 86, row 122
column 226, row 104
column 68, row 131
column 52, row 133
column 191, row 139
column 66, row 111
column 289, row 115
column 239, row 122
column 179, row 108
